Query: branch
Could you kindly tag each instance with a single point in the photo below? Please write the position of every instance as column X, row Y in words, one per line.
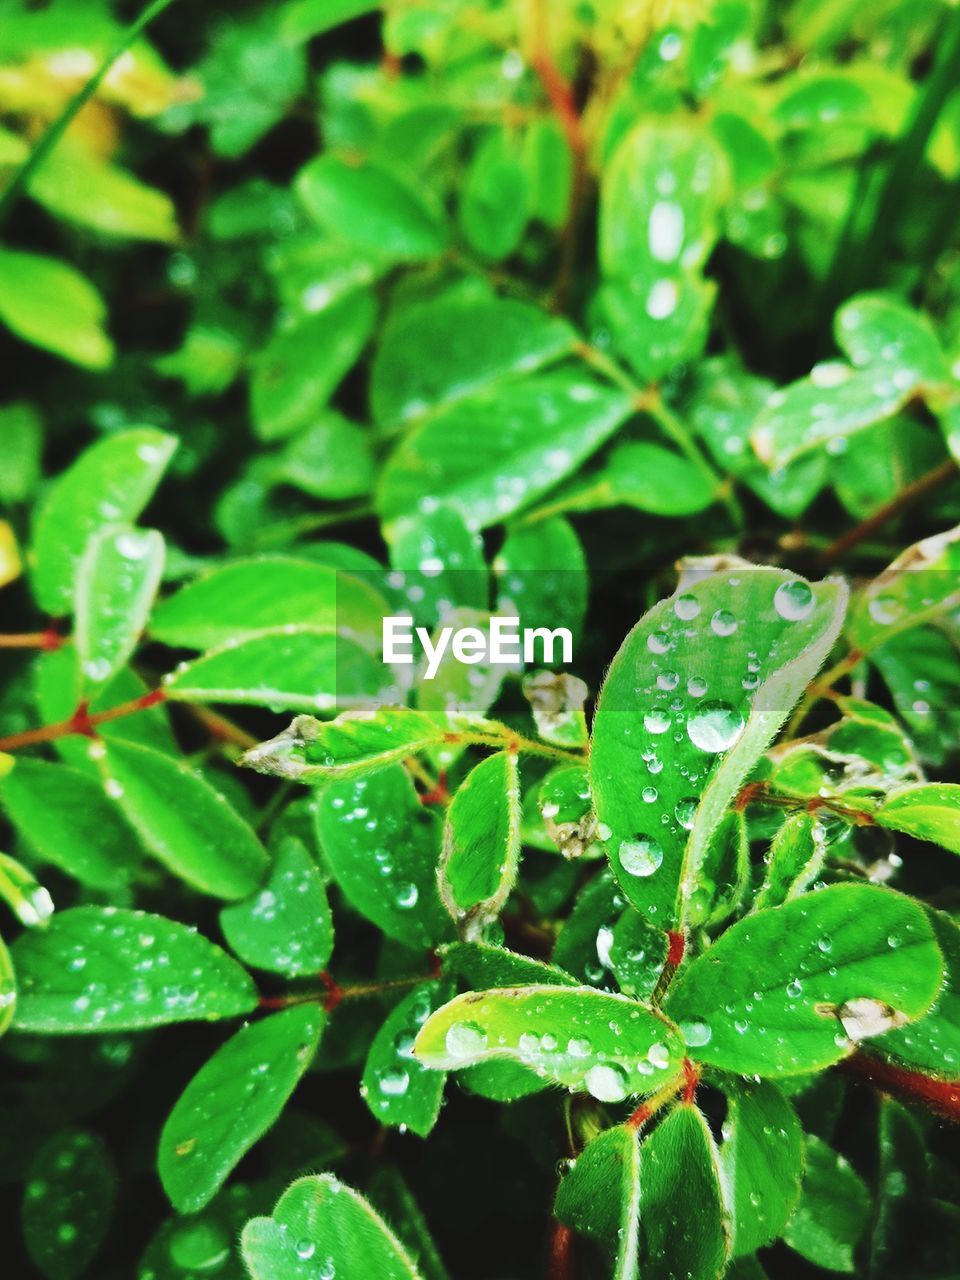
column 899, row 502
column 941, row 1096
column 81, row 723
column 47, row 640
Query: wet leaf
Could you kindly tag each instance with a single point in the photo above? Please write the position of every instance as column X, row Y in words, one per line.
column 117, row 580
column 111, row 481
column 285, row 925
column 772, row 990
column 319, row 1222
column 398, row 1089
column 68, row 1203
column 231, row 1102
column 102, row 969
column 761, row 1163
column 833, row 1210
column 600, row 1196
column 692, row 699
column 606, row 1045
column 481, row 843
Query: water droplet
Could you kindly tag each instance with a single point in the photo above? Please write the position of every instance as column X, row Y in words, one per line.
column 686, row 607
column 606, row 1083
column 305, row 1249
column 695, row 1033
column 640, row 857
column 723, row 623
column 657, row 721
column 465, row 1040
column 686, row 811
column 794, row 989
column 715, row 726
column 793, row 600
column 407, row 895
column 393, row 1082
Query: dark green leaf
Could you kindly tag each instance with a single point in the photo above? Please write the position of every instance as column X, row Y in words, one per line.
column 481, row 843
column 600, row 1197
column 321, row 1223
column 761, row 1163
column 68, row 1203
column 382, row 847
column 832, row 1213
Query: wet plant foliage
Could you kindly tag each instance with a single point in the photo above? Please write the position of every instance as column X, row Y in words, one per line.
column 634, row 959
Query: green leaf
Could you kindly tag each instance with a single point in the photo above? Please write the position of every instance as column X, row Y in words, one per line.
column 399, row 1090
column 392, row 1197
column 303, row 363
column 49, row 304
column 541, row 576
column 367, row 207
column 68, row 1203
column 438, row 562
column 637, row 954
column 439, row 352
column 589, row 1040
column 8, row 988
column 117, row 580
column 330, row 459
column 500, row 449
column 833, row 1210
column 483, row 965
column 320, row 1222
column 21, row 441
column 641, row 475
column 761, row 1162
column 933, row 717
column 796, row 988
column 295, row 668
column 286, row 925
column 933, row 1043
column 359, row 741
column 600, row 1196
column 186, row 824
column 264, row 593
column 682, row 1228
column 929, row 811
column 493, row 204
column 796, row 855
column 111, row 481
column 893, row 352
column 382, row 848
column 232, row 1101
column 81, row 833
column 481, row 843
column 102, row 969
column 919, row 586
column 659, row 207
column 76, row 184
column 735, row 650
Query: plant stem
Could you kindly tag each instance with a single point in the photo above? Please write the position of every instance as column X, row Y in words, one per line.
column 649, row 400
column 941, row 1096
column 59, row 126
column 47, row 640
column 910, row 494
column 81, row 723
column 332, row 993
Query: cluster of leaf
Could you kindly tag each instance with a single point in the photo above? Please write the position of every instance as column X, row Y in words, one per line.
column 505, row 293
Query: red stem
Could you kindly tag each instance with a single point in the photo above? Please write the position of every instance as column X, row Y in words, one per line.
column 560, row 1265
column 46, row 640
column 81, row 722
column 941, row 1096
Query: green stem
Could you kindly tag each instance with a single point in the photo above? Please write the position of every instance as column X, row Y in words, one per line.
column 648, row 400
column 58, row 127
